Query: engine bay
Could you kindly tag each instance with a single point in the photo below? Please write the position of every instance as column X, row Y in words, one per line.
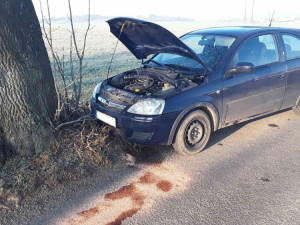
column 155, row 82
column 128, row 87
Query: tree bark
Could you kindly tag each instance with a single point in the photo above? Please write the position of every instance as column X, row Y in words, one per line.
column 27, row 93
column 2, row 150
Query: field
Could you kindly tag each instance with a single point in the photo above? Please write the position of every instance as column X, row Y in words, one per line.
column 101, row 43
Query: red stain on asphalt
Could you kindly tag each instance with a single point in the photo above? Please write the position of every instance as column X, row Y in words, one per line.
column 133, row 191
column 148, row 178
column 89, row 213
column 123, row 192
column 138, row 199
column 164, row 185
column 123, row 216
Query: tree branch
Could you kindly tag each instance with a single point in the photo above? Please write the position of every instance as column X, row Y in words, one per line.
column 71, row 122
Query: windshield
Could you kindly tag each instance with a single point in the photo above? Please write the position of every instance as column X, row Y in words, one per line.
column 209, row 48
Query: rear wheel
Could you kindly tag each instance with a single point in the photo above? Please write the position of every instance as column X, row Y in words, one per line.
column 193, row 133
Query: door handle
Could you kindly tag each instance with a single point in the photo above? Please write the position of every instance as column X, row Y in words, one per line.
column 281, row 75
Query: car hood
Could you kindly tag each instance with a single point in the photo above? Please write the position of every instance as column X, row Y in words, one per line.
column 143, row 38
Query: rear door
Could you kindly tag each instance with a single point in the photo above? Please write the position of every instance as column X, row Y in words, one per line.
column 291, row 44
column 259, row 92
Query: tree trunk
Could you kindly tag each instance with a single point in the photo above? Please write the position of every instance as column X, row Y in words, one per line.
column 2, row 156
column 27, row 93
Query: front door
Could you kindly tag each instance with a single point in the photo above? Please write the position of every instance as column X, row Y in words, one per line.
column 248, row 95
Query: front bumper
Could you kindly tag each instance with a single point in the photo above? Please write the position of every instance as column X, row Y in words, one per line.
column 146, row 130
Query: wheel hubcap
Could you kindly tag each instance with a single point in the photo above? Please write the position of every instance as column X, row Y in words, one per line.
column 194, row 133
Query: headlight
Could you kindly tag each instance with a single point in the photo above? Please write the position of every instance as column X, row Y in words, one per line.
column 96, row 90
column 148, row 106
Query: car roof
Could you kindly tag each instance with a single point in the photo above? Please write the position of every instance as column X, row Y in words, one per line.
column 240, row 30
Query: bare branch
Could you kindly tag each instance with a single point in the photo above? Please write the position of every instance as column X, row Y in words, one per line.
column 73, row 31
column 48, row 36
column 80, row 55
column 70, row 31
column 87, row 30
column 72, row 122
column 72, row 70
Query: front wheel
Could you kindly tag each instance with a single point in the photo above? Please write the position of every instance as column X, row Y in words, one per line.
column 193, row 133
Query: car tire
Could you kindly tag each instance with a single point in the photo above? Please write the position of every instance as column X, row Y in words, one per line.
column 193, row 133
column 296, row 109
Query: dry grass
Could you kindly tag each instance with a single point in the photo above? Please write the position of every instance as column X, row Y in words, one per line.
column 80, row 150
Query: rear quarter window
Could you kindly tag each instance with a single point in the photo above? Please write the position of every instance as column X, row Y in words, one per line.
column 292, row 46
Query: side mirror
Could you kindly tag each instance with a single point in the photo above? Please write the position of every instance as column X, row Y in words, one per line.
column 243, row 67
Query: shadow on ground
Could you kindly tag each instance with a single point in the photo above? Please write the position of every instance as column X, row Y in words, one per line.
column 158, row 154
column 219, row 135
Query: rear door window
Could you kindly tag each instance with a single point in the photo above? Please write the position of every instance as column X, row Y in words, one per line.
column 292, row 46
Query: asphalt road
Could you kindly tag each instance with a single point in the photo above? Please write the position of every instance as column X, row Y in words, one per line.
column 248, row 174
column 252, row 176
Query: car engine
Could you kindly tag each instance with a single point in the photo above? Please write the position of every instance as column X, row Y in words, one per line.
column 126, row 88
column 155, row 82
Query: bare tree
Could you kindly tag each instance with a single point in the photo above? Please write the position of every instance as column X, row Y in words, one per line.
column 58, row 63
column 72, row 68
column 80, row 54
column 61, row 69
column 48, row 36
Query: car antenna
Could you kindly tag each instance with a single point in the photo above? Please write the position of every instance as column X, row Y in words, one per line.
column 271, row 20
column 114, row 51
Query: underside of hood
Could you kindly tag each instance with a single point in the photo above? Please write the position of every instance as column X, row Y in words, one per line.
column 143, row 38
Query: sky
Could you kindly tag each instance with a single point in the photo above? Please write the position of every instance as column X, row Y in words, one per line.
column 194, row 9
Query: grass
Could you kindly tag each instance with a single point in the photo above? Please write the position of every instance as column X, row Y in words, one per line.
column 79, row 151
column 95, row 70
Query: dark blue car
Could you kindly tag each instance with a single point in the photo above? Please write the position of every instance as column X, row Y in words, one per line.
column 206, row 80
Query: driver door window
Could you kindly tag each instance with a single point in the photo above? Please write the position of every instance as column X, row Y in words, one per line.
column 259, row 51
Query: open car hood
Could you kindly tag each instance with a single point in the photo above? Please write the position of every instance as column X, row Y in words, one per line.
column 143, row 38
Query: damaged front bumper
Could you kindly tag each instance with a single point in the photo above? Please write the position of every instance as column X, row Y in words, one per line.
column 146, row 130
